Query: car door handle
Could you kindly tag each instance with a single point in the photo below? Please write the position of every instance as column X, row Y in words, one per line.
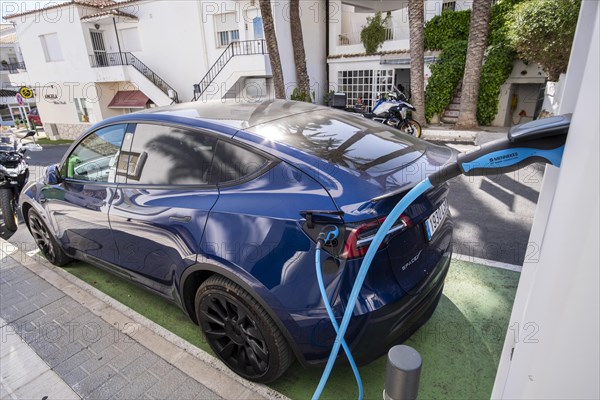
column 176, row 218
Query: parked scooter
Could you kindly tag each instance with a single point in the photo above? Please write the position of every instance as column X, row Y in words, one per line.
column 14, row 173
column 392, row 109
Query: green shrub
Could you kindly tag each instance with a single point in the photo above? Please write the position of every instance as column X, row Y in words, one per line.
column 496, row 69
column 446, row 74
column 373, row 34
column 447, row 27
column 297, row 95
column 450, row 32
column 542, row 31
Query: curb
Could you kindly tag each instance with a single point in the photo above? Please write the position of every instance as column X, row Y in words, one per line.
column 193, row 361
column 447, row 136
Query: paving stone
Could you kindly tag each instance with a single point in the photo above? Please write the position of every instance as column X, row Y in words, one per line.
column 168, row 384
column 141, row 366
column 136, row 389
column 94, row 381
column 161, row 369
column 74, row 376
column 109, row 388
column 73, row 362
column 44, row 348
column 192, row 390
column 15, row 275
column 132, row 354
column 64, row 354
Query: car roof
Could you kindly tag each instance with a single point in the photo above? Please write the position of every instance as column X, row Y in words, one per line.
column 228, row 113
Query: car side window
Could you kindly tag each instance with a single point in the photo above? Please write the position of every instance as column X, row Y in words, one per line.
column 95, row 157
column 233, row 163
column 164, row 155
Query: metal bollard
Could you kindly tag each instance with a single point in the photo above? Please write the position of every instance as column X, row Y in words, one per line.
column 402, row 373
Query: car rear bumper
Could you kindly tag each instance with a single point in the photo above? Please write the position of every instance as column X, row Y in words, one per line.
column 394, row 323
column 370, row 335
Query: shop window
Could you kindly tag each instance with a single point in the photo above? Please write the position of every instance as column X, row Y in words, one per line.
column 84, row 111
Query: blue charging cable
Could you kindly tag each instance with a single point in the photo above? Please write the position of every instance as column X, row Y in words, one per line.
column 360, row 278
column 331, row 235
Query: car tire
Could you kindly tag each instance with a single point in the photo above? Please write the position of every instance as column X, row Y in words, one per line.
column 9, row 209
column 240, row 331
column 45, row 240
column 410, row 127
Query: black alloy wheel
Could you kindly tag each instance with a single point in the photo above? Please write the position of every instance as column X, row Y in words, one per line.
column 240, row 331
column 45, row 241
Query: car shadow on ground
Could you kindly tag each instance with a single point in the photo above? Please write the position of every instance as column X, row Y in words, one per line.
column 493, row 215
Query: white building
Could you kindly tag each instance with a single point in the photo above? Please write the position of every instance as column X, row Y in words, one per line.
column 361, row 76
column 11, row 60
column 91, row 59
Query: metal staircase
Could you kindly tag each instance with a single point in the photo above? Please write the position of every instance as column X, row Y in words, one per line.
column 240, row 48
column 127, row 58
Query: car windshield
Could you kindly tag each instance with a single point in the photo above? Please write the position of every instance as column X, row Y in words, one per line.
column 344, row 139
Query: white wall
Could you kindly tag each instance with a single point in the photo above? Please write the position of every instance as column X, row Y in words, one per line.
column 560, row 294
column 313, row 30
column 521, row 74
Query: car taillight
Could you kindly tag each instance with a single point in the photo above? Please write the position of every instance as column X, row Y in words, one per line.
column 360, row 237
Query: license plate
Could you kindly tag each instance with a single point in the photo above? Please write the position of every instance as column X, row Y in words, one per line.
column 436, row 219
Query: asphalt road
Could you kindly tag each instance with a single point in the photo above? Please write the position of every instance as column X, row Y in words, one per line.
column 492, row 215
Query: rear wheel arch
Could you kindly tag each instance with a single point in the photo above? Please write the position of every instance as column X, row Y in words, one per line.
column 197, row 274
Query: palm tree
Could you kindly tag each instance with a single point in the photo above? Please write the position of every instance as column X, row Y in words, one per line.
column 480, row 18
column 416, row 10
column 271, row 39
column 303, row 82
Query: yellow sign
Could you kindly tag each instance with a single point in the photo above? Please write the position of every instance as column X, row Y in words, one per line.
column 26, row 92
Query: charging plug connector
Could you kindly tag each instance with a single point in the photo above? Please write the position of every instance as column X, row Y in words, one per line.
column 327, row 235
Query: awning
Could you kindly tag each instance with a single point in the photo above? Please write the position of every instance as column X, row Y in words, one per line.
column 129, row 99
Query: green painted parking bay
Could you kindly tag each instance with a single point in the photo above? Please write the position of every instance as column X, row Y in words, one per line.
column 460, row 344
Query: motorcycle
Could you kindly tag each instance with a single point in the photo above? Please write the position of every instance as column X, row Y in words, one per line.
column 392, row 109
column 14, row 173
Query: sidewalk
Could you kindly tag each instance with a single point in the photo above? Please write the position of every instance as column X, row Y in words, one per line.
column 63, row 339
column 448, row 134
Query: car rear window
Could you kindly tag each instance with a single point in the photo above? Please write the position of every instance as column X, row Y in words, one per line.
column 344, row 139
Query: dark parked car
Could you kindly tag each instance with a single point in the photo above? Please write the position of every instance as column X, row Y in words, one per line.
column 217, row 207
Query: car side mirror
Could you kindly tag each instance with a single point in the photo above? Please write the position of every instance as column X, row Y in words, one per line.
column 52, row 176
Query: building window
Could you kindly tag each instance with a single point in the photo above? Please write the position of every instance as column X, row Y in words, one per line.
column 227, row 37
column 363, row 86
column 226, row 29
column 51, row 47
column 84, row 111
column 358, row 86
column 450, row 5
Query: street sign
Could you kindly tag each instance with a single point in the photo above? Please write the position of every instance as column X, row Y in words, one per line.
column 26, row 92
column 19, row 99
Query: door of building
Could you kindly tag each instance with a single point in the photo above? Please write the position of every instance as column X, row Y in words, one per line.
column 99, row 47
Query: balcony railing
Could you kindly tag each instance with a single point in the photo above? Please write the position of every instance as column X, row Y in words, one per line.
column 238, row 48
column 350, row 38
column 14, row 68
column 100, row 60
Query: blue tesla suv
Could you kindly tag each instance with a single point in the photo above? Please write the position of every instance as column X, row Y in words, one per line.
column 217, row 208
